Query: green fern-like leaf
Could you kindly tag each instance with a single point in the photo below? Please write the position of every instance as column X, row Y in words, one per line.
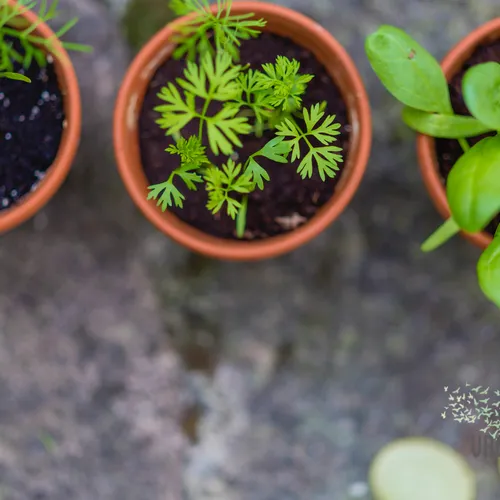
column 221, row 183
column 187, row 172
column 213, row 79
column 227, row 30
column 257, row 173
column 325, row 157
column 224, row 129
column 166, row 195
column 191, row 151
column 285, row 84
column 193, row 158
column 253, row 95
column 276, row 150
column 178, row 111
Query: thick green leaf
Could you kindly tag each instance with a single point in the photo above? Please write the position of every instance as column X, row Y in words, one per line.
column 443, row 126
column 441, row 235
column 410, row 73
column 473, row 187
column 480, row 88
column 488, row 271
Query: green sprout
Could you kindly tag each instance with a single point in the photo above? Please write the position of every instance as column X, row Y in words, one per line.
column 33, row 46
column 415, row 78
column 247, row 101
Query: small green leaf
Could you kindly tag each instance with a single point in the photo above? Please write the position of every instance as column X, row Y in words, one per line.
column 258, row 174
column 223, row 130
column 252, row 95
column 442, row 234
column 488, row 271
column 481, row 87
column 325, row 157
column 166, row 195
column 410, row 73
column 190, row 178
column 213, row 32
column 191, row 151
column 326, row 162
column 285, row 84
column 15, row 76
column 443, row 126
column 222, row 75
column 276, row 149
column 473, row 186
column 178, row 112
column 288, row 128
column 221, row 182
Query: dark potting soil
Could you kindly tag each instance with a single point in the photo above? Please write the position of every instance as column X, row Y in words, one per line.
column 449, row 150
column 287, row 201
column 31, row 125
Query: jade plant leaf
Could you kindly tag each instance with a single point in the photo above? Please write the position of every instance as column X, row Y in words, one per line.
column 443, row 126
column 473, row 188
column 481, row 92
column 488, row 270
column 410, row 73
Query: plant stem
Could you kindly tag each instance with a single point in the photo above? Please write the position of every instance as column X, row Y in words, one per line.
column 463, row 142
column 203, row 118
column 303, row 135
column 241, row 218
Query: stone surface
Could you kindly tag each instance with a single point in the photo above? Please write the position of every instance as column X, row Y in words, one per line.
column 131, row 369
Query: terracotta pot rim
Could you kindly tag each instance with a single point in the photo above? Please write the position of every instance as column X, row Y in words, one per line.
column 153, row 54
column 429, row 166
column 55, row 175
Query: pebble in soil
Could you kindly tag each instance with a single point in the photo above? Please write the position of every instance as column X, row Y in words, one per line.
column 31, row 126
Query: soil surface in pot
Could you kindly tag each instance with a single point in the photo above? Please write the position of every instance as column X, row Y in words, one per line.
column 287, row 201
column 449, row 150
column 31, row 126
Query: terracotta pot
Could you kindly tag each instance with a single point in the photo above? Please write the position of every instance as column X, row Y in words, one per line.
column 426, row 149
column 32, row 202
column 304, row 32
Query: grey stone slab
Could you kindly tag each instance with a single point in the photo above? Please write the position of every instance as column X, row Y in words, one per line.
column 132, row 369
column 89, row 396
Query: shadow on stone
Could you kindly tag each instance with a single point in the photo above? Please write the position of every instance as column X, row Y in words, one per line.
column 189, row 422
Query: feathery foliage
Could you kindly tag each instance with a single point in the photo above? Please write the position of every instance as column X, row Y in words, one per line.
column 229, row 101
column 34, row 47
